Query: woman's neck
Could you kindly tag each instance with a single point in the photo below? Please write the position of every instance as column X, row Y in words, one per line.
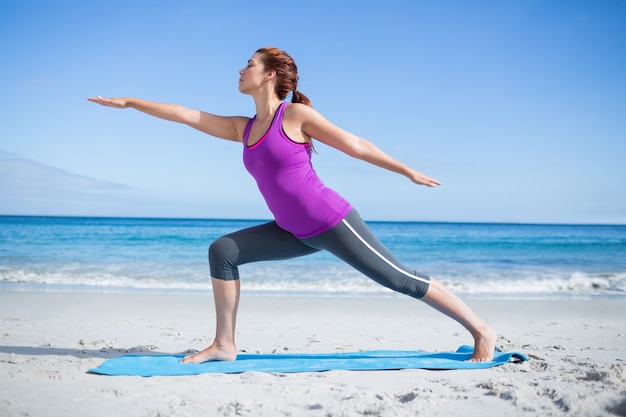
column 266, row 106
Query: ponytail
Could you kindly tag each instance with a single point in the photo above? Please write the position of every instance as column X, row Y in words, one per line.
column 298, row 97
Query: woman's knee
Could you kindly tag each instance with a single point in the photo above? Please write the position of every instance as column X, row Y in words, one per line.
column 223, row 256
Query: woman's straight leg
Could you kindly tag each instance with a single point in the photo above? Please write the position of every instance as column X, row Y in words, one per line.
column 445, row 301
column 354, row 242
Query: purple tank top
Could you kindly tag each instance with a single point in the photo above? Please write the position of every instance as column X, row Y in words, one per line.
column 299, row 201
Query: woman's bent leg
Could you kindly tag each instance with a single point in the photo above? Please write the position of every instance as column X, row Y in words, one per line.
column 259, row 243
column 226, row 295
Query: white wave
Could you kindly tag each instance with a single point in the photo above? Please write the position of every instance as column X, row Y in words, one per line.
column 95, row 279
column 290, row 280
column 575, row 283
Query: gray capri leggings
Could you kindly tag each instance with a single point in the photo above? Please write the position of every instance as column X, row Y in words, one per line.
column 351, row 240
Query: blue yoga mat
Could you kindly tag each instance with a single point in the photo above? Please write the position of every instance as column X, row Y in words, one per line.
column 169, row 365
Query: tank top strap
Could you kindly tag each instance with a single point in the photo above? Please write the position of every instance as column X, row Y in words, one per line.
column 277, row 121
column 280, row 113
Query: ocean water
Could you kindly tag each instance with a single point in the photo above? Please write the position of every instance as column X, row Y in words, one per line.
column 482, row 260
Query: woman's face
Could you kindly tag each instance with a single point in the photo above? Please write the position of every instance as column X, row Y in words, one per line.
column 253, row 75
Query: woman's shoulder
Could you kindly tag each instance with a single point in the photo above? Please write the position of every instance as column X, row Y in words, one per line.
column 299, row 111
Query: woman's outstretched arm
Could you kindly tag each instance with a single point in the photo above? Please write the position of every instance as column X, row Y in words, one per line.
column 229, row 128
column 316, row 126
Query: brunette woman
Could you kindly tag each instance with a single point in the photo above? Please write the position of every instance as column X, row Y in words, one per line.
column 308, row 216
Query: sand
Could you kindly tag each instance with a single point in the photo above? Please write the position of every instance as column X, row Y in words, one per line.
column 49, row 340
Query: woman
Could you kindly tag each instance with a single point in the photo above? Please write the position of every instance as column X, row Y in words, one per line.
column 308, row 216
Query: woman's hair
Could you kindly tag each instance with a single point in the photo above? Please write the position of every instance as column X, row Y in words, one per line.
column 286, row 74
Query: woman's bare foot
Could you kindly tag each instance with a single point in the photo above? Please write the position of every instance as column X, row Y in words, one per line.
column 213, row 353
column 484, row 345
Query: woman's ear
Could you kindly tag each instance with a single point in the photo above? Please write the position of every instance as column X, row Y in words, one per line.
column 270, row 75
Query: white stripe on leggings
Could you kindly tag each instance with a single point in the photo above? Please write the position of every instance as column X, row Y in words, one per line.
column 370, row 247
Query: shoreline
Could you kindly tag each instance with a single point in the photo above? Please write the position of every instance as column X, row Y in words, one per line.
column 9, row 286
column 50, row 339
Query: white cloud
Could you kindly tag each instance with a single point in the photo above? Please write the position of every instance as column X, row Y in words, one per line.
column 30, row 187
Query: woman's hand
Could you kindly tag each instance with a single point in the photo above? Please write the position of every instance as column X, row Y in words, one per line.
column 118, row 103
column 422, row 179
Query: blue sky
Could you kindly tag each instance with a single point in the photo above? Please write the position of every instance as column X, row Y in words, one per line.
column 517, row 107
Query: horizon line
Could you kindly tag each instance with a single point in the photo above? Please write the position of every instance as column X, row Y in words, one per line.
column 477, row 222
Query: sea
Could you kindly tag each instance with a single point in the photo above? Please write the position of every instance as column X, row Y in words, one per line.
column 494, row 260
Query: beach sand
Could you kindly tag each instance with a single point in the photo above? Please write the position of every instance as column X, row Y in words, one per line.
column 49, row 340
